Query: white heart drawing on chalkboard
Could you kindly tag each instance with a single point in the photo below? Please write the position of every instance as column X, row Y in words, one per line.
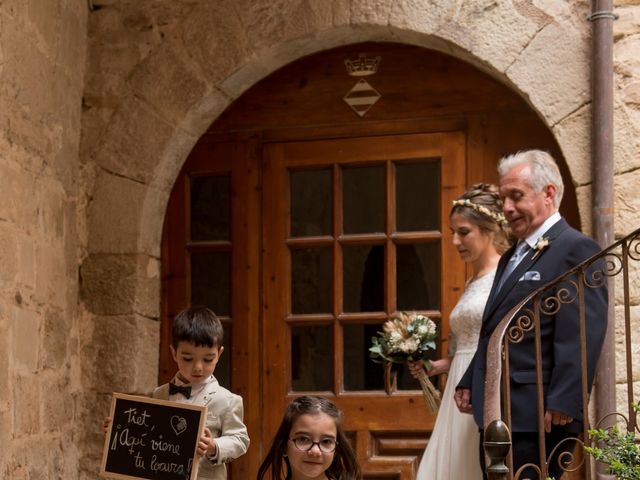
column 179, row 424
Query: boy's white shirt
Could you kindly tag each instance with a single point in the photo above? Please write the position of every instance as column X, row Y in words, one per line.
column 542, row 229
column 225, row 413
column 198, row 392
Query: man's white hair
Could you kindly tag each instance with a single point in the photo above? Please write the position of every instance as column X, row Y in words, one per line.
column 543, row 171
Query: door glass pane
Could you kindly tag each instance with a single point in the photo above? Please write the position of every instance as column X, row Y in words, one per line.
column 223, row 368
column 360, row 372
column 210, row 274
column 210, row 208
column 311, row 358
column 311, row 277
column 418, row 196
column 311, row 204
column 363, row 278
column 363, row 196
column 418, row 276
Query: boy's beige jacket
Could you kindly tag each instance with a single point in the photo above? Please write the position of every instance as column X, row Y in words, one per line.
column 225, row 420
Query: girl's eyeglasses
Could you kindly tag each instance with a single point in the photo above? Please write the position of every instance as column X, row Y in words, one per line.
column 304, row 444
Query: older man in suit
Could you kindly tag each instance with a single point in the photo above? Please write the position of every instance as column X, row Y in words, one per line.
column 531, row 187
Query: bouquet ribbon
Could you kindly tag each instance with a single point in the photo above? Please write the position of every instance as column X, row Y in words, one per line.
column 430, row 393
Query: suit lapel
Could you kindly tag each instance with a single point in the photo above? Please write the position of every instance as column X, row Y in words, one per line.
column 163, row 392
column 496, row 298
column 209, row 390
column 502, row 264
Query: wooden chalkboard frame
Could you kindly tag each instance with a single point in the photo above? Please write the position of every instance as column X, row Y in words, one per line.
column 175, row 408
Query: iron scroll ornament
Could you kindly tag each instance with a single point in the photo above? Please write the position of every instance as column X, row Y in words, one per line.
column 565, row 460
column 568, row 288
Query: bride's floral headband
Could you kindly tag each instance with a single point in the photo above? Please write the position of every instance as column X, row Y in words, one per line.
column 481, row 209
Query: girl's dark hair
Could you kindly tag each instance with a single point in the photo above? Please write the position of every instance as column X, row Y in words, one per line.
column 198, row 325
column 344, row 465
column 483, row 196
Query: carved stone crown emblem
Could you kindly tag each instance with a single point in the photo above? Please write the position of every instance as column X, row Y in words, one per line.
column 362, row 66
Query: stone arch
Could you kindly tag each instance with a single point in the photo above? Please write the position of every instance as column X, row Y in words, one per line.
column 215, row 54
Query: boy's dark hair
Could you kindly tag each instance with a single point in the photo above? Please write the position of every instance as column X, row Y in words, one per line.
column 345, row 464
column 198, row 325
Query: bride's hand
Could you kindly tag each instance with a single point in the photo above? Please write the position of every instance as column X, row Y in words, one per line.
column 415, row 368
column 438, row 367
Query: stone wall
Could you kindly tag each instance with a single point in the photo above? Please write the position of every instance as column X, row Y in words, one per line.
column 627, row 175
column 42, row 64
column 627, row 115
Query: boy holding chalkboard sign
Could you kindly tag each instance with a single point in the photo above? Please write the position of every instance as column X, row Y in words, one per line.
column 196, row 346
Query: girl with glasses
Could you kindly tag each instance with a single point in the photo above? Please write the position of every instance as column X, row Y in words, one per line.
column 310, row 444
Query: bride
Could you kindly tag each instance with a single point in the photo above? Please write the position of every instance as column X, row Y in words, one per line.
column 480, row 236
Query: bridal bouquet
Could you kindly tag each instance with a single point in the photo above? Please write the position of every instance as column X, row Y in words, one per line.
column 408, row 337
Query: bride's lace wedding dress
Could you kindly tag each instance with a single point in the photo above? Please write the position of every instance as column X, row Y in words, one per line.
column 452, row 452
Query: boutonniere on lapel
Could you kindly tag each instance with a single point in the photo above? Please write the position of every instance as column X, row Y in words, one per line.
column 541, row 244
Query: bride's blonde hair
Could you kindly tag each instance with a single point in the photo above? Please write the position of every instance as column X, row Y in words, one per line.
column 481, row 205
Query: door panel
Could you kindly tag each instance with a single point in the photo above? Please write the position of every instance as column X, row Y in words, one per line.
column 211, row 249
column 375, row 240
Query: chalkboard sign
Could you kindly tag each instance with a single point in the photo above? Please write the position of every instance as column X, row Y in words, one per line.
column 152, row 439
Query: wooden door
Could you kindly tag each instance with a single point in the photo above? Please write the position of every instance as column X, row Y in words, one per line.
column 355, row 230
column 210, row 256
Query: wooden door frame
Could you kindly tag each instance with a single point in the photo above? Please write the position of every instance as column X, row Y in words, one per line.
column 246, row 271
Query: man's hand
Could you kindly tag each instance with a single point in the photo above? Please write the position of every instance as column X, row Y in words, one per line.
column 462, row 398
column 553, row 417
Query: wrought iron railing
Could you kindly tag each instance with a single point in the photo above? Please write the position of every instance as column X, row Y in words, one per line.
column 523, row 321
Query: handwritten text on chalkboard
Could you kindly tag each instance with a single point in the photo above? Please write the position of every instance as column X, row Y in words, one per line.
column 152, row 439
